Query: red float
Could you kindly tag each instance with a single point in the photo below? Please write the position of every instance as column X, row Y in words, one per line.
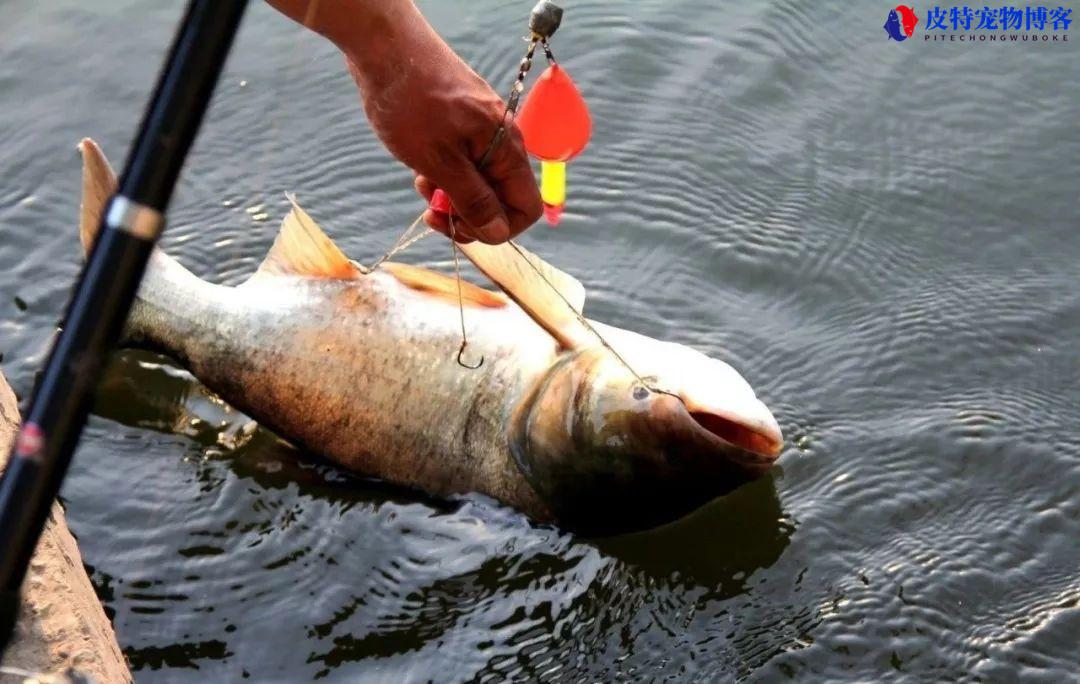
column 555, row 124
column 554, row 118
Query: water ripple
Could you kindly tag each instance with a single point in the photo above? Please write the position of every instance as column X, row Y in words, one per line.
column 883, row 242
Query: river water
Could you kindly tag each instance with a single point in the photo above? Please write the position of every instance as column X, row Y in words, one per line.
column 882, row 237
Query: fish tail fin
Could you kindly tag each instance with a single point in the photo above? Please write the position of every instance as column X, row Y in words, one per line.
column 98, row 185
column 163, row 273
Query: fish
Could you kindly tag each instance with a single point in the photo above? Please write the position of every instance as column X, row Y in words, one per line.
column 893, row 28
column 360, row 367
column 908, row 19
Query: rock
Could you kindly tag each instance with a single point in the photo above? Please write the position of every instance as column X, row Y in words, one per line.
column 61, row 622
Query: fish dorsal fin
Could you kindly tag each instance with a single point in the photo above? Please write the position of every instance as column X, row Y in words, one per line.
column 98, row 185
column 302, row 248
column 534, row 289
column 442, row 286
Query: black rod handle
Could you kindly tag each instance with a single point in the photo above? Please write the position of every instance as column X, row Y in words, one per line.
column 130, row 226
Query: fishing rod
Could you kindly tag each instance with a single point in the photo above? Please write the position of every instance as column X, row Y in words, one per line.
column 130, row 226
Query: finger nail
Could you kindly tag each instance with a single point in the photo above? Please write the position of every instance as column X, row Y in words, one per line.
column 494, row 231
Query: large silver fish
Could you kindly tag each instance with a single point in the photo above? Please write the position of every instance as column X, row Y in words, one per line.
column 361, row 368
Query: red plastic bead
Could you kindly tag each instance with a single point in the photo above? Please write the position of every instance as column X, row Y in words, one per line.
column 440, row 203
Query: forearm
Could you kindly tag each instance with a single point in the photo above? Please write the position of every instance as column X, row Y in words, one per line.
column 371, row 33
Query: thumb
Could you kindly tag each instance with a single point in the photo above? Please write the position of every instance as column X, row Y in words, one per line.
column 476, row 202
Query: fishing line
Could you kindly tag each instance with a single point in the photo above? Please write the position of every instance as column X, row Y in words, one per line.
column 589, row 326
column 404, row 241
column 460, row 301
column 407, row 238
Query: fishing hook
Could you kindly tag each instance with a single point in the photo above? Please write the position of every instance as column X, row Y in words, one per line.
column 460, row 299
column 461, row 361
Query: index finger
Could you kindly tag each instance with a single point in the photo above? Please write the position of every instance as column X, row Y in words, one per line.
column 512, row 178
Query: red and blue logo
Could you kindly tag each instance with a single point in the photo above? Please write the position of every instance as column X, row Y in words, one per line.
column 900, row 25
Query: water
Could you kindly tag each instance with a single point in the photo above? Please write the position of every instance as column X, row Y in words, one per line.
column 881, row 237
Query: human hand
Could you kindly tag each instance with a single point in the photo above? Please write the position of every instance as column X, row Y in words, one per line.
column 439, row 117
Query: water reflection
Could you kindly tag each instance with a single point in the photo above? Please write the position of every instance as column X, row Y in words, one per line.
column 719, row 546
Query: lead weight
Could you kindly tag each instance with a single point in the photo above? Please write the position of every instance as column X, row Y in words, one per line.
column 545, row 19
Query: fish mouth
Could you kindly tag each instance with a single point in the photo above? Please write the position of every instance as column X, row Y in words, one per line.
column 723, row 404
column 737, row 418
column 759, row 437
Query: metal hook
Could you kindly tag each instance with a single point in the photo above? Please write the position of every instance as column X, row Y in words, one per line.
column 460, row 301
column 461, row 361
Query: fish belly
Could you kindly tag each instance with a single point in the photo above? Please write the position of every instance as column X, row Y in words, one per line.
column 365, row 372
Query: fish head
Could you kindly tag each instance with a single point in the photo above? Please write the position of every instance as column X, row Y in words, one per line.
column 610, row 449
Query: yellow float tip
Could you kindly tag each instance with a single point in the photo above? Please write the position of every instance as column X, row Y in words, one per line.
column 553, row 182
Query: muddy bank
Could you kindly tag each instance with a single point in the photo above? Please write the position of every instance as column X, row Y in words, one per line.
column 61, row 623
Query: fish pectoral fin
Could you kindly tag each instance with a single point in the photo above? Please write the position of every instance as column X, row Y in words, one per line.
column 552, row 298
column 302, row 248
column 442, row 286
